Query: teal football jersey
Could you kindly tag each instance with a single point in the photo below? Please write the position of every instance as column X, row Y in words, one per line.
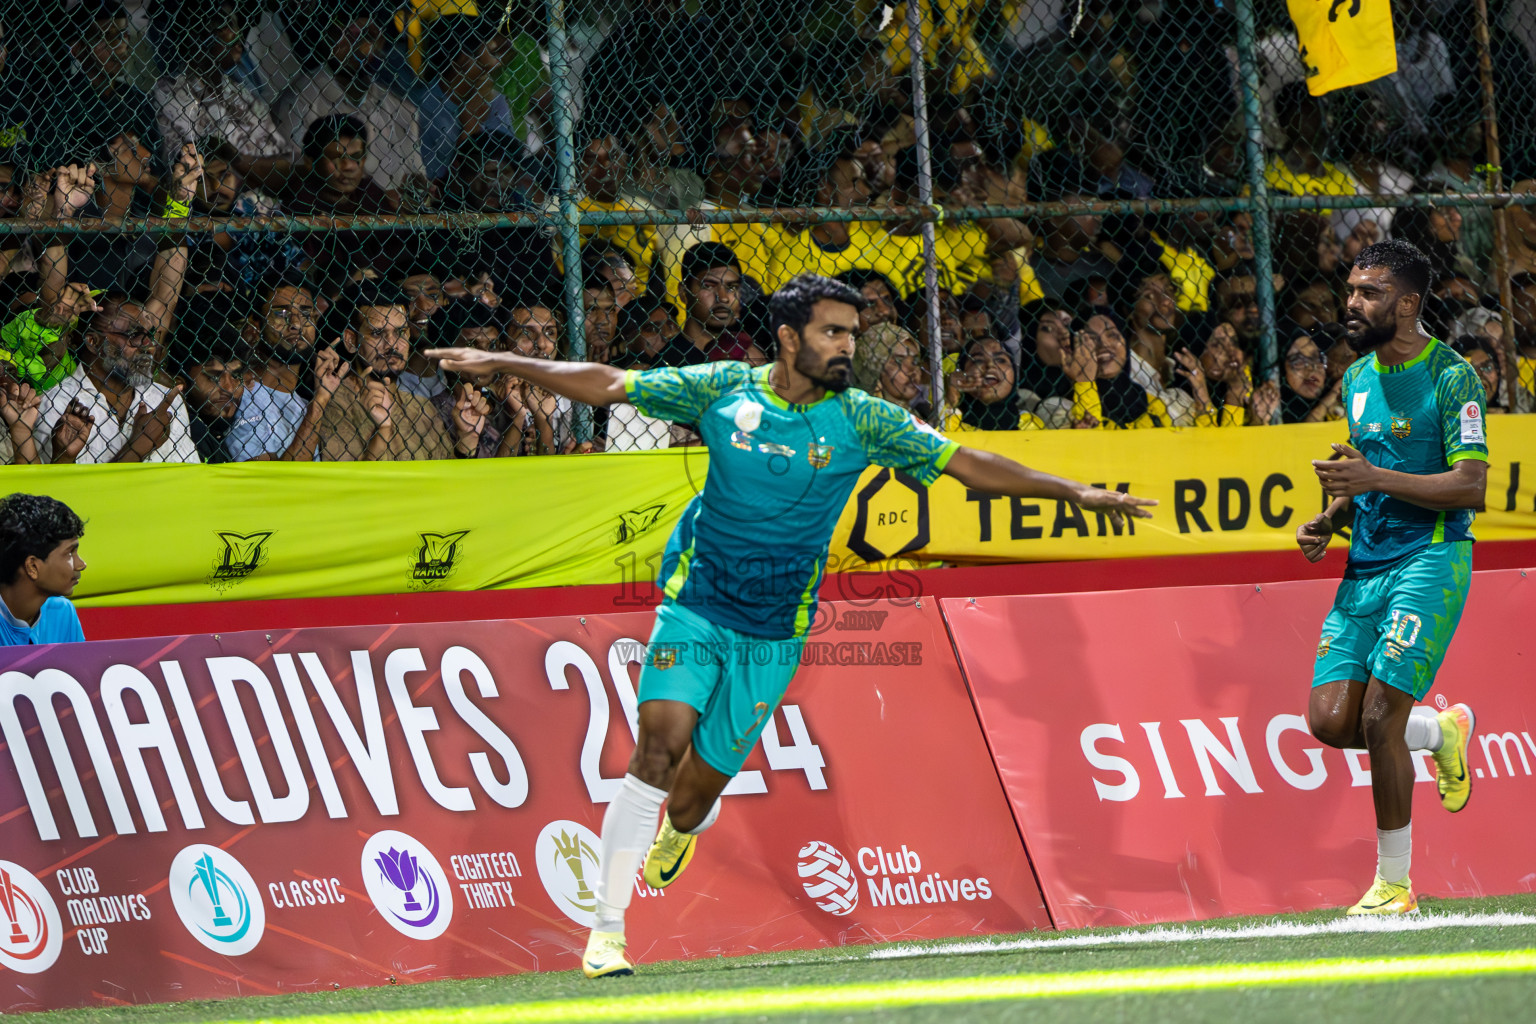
column 751, row 548
column 1422, row 417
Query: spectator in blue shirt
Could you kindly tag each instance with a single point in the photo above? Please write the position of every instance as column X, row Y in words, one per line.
column 458, row 96
column 40, row 565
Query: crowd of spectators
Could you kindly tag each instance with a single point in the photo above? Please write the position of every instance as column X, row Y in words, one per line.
column 299, row 337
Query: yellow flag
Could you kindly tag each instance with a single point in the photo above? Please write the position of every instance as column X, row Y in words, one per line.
column 1344, row 42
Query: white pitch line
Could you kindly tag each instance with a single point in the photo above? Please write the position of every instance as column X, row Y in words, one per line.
column 1180, row 933
column 1185, row 933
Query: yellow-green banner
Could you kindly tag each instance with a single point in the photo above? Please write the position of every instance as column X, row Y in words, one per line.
column 171, row 534
column 1220, row 490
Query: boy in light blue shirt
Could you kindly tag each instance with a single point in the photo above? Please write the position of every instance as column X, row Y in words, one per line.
column 40, row 565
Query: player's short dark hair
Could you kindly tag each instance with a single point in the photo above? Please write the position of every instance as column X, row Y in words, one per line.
column 272, row 282
column 32, row 525
column 1411, row 270
column 791, row 305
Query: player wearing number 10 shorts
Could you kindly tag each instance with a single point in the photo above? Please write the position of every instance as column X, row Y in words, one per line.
column 1408, row 483
column 787, row 443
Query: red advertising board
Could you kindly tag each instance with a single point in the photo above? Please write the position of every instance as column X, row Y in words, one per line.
column 1154, row 748
column 253, row 813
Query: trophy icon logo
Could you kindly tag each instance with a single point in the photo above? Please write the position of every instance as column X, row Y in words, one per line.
column 31, row 933
column 568, row 862
column 407, row 884
column 217, row 899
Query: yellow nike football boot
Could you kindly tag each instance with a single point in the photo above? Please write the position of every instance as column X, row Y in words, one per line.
column 1386, row 898
column 605, row 957
column 1451, row 773
column 669, row 854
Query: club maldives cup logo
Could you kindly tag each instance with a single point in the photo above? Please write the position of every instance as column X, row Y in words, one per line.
column 407, row 885
column 31, row 934
column 217, row 899
column 568, row 862
column 828, row 878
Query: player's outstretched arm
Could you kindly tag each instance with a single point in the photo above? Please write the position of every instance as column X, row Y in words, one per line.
column 590, row 383
column 1464, row 485
column 996, row 474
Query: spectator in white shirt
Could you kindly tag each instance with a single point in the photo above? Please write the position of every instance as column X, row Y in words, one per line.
column 120, row 413
column 345, row 84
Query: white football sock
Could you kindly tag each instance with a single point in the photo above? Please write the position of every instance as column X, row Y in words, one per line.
column 703, row 826
column 1423, row 732
column 629, row 825
column 1394, row 853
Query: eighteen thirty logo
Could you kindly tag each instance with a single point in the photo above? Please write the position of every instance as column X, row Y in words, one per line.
column 407, row 884
column 566, row 854
column 828, row 878
column 243, row 554
column 31, row 934
column 217, row 899
column 438, row 556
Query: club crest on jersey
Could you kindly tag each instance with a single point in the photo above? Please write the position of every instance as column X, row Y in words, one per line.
column 1323, row 645
column 1358, row 404
column 820, row 454
column 1402, row 426
column 664, row 658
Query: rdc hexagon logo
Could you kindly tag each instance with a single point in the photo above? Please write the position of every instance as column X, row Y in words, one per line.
column 828, row 878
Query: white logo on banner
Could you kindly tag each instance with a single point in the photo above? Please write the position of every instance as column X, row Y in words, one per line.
column 407, row 884
column 31, row 934
column 828, row 878
column 217, row 899
column 568, row 861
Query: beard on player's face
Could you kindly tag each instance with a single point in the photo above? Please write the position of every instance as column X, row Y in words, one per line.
column 835, row 374
column 1366, row 334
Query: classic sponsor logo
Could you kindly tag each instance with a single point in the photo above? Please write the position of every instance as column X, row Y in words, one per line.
column 828, row 878
column 637, row 521
column 31, row 934
column 566, row 854
column 241, row 555
column 217, row 899
column 1402, row 426
column 297, row 893
column 892, row 879
column 438, row 556
column 407, row 884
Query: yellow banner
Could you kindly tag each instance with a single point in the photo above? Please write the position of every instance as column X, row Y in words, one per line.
column 1219, row 490
column 1344, row 42
column 168, row 534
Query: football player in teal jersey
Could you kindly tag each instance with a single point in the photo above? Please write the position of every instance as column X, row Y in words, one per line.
column 787, row 443
column 1408, row 485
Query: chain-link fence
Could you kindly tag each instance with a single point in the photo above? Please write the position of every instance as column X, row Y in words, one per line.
column 228, row 230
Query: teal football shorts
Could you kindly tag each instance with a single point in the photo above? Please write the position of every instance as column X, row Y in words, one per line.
column 733, row 680
column 1397, row 624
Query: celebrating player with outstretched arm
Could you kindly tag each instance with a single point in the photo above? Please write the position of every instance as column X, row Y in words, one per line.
column 1409, row 482
column 787, row 443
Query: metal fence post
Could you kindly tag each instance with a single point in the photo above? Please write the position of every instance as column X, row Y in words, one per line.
column 1263, row 245
column 570, row 216
column 925, row 198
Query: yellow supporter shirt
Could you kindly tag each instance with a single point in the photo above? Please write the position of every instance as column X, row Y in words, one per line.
column 752, row 244
column 954, row 424
column 1334, row 181
column 1086, row 403
column 636, row 241
column 961, row 253
column 870, row 247
column 1192, row 276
